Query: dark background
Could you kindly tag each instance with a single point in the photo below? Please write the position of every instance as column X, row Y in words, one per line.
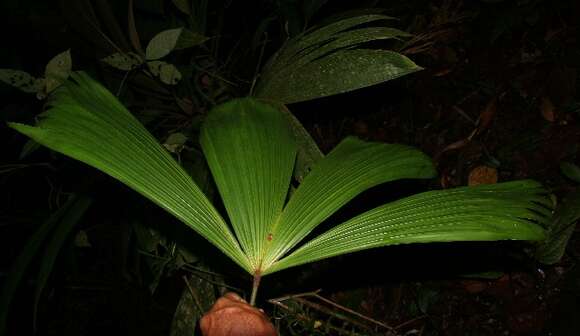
column 507, row 69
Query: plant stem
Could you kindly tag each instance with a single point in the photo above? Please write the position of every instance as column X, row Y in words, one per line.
column 255, row 285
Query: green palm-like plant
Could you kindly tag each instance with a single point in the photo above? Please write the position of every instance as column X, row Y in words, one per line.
column 251, row 151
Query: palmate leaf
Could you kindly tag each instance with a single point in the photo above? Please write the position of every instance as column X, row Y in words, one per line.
column 251, row 147
column 487, row 212
column 88, row 123
column 328, row 60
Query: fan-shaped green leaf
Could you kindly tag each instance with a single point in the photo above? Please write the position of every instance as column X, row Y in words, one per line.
column 88, row 123
column 351, row 168
column 250, row 150
column 326, row 61
column 346, row 40
column 318, row 36
column 342, row 71
column 487, row 212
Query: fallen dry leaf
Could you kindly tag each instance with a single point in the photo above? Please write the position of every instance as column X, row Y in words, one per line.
column 548, row 109
column 482, row 175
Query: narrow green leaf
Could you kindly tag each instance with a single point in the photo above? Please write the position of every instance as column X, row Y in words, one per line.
column 308, row 153
column 351, row 168
column 487, row 212
column 29, row 147
column 87, row 123
column 189, row 39
column 183, row 5
column 24, row 259
column 571, row 171
column 250, row 150
column 66, row 223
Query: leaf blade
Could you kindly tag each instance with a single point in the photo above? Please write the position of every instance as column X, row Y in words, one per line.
column 250, row 150
column 339, row 72
column 87, row 123
column 351, row 168
column 162, row 44
column 487, row 212
column 327, row 60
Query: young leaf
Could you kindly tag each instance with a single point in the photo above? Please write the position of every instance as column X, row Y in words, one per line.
column 88, row 123
column 183, row 5
column 162, row 44
column 349, row 169
column 57, row 71
column 487, row 212
column 166, row 72
column 172, row 39
column 250, row 150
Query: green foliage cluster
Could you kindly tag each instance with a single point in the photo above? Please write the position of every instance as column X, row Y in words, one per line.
column 251, row 151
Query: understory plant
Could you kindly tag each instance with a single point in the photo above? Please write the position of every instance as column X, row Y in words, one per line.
column 251, row 149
